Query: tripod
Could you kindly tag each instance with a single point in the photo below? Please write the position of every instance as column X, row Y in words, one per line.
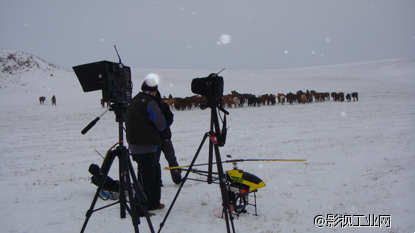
column 126, row 173
column 216, row 139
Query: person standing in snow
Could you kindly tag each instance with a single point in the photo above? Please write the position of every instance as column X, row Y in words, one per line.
column 144, row 120
column 167, row 145
column 53, row 100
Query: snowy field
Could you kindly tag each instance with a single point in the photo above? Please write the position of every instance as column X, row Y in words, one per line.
column 360, row 155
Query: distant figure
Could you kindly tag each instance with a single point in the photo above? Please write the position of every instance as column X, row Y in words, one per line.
column 102, row 103
column 42, row 99
column 53, row 100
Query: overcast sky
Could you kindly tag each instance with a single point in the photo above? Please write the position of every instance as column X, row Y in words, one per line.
column 210, row 34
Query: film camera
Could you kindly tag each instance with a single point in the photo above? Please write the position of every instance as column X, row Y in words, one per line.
column 210, row 87
column 114, row 79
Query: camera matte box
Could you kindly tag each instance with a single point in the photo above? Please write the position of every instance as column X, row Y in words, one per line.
column 92, row 76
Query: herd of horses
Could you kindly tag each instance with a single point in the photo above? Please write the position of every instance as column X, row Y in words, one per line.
column 236, row 99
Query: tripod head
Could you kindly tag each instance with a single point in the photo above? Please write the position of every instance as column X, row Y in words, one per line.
column 120, row 110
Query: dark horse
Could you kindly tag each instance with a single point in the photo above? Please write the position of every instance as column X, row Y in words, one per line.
column 348, row 98
column 42, row 99
column 355, row 96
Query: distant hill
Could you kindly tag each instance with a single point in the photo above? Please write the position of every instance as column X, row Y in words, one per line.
column 16, row 64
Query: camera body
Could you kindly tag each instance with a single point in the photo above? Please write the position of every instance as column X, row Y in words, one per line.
column 114, row 79
column 210, row 87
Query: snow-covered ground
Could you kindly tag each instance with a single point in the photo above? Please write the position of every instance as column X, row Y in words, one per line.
column 360, row 155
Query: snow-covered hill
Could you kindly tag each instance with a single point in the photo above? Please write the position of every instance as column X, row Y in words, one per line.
column 360, row 155
column 16, row 62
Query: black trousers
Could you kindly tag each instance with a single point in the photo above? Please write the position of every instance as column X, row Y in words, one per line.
column 148, row 176
column 169, row 154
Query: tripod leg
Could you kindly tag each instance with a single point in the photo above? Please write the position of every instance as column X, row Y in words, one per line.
column 132, row 209
column 225, row 197
column 140, row 194
column 122, row 170
column 183, row 181
column 210, row 158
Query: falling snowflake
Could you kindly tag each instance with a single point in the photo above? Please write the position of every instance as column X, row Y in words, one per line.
column 224, row 39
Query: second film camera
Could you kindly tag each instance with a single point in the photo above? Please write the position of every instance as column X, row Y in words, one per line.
column 210, row 87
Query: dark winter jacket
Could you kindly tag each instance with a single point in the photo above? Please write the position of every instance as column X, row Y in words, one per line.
column 144, row 120
column 165, row 110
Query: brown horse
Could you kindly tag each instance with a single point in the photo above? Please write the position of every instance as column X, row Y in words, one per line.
column 341, row 95
column 42, row 99
column 170, row 102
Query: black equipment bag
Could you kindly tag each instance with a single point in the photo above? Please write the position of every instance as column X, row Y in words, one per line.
column 109, row 185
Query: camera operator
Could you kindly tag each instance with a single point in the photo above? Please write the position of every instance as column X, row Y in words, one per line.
column 144, row 120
